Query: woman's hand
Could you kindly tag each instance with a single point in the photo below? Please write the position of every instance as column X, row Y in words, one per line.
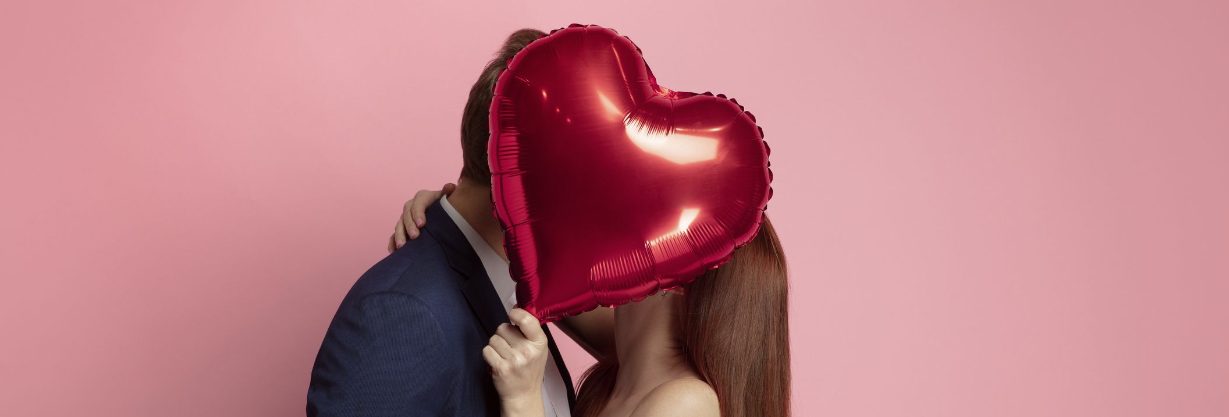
column 517, row 355
column 414, row 215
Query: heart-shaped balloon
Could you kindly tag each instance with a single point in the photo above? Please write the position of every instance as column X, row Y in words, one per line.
column 610, row 187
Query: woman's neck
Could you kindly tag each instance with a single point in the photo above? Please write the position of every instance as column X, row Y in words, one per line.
column 647, row 346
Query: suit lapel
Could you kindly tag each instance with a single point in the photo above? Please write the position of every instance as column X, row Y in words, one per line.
column 475, row 286
column 563, row 369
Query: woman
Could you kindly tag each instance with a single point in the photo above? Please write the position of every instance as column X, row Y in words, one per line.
column 716, row 347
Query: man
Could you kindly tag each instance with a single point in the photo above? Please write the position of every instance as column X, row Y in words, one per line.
column 407, row 339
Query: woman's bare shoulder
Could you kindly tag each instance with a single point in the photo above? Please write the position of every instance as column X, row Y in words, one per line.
column 683, row 397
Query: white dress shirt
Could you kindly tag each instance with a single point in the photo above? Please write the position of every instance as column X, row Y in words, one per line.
column 554, row 391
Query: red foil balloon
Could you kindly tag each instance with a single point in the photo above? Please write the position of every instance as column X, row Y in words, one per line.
column 609, row 186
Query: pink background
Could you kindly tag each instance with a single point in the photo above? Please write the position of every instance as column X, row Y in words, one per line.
column 1015, row 209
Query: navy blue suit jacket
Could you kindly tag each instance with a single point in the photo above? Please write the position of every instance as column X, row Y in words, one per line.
column 407, row 339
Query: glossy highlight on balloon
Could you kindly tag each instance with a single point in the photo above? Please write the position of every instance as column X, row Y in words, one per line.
column 609, row 186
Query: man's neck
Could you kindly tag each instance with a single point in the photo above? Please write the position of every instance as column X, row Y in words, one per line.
column 473, row 202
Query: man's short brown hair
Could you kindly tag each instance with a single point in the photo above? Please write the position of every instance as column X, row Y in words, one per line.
column 475, row 129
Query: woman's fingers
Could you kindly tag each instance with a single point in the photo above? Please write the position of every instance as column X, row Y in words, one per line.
column 501, row 346
column 528, row 325
column 510, row 334
column 417, row 211
column 492, row 357
column 414, row 214
column 399, row 233
column 406, row 222
column 517, row 354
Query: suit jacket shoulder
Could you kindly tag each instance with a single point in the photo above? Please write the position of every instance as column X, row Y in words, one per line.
column 406, row 340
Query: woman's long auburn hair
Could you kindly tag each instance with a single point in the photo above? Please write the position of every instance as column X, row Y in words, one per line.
column 734, row 331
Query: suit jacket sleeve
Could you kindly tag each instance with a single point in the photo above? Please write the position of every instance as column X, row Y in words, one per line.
column 382, row 356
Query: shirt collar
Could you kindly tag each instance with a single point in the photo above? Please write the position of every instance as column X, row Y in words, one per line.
column 496, row 267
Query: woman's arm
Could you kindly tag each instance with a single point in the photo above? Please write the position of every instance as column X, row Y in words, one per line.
column 592, row 330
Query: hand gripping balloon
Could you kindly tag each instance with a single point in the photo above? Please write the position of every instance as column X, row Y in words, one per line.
column 610, row 187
